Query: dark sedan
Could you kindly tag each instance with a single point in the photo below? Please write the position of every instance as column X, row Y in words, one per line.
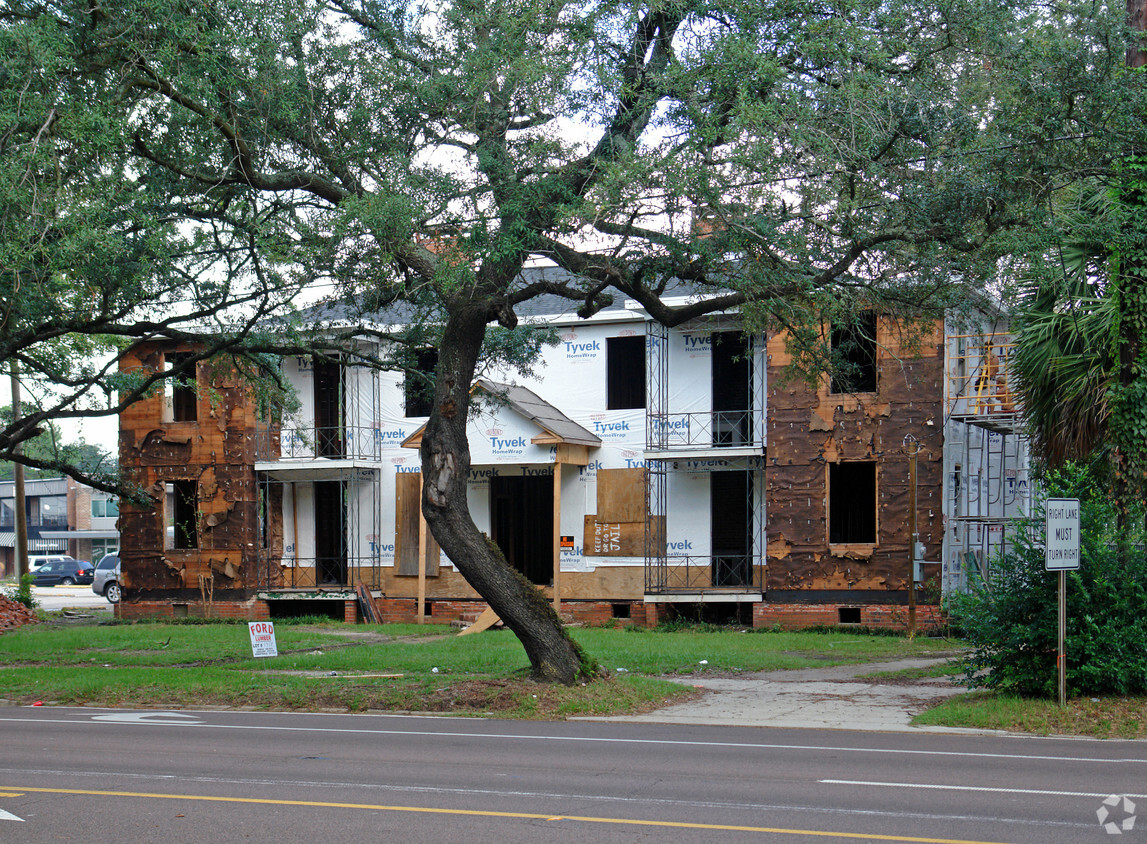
column 63, row 573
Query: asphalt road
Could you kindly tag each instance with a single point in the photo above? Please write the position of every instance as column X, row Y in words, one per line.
column 71, row 597
column 90, row 775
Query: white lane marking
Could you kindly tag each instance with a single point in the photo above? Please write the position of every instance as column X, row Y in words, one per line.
column 983, row 788
column 638, row 741
column 149, row 718
column 103, row 776
column 8, row 816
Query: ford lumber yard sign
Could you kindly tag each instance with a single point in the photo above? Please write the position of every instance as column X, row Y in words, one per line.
column 263, row 638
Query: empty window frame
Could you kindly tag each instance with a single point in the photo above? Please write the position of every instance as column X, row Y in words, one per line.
column 180, row 390
column 418, row 388
column 625, row 372
column 181, row 523
column 854, row 355
column 852, row 503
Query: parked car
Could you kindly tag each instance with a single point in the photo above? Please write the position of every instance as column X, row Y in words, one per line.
column 37, row 560
column 106, row 581
column 63, row 573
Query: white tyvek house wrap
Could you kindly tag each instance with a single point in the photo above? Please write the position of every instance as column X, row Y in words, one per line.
column 571, row 375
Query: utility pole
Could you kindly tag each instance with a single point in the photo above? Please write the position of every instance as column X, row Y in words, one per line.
column 912, row 448
column 21, row 513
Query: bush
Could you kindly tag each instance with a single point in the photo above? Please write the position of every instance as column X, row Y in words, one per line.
column 22, row 593
column 1012, row 622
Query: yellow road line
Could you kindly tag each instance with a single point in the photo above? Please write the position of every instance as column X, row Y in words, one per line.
column 523, row 815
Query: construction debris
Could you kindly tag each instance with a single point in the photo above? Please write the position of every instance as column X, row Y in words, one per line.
column 14, row 614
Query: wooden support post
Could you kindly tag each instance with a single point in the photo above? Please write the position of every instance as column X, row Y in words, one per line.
column 557, row 538
column 421, row 615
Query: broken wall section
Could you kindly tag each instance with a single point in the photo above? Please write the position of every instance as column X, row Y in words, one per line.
column 190, row 447
column 837, row 478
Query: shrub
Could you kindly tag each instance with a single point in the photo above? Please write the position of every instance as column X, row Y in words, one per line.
column 1012, row 621
column 22, row 593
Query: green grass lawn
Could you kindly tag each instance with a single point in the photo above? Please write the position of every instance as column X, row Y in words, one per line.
column 1108, row 717
column 429, row 668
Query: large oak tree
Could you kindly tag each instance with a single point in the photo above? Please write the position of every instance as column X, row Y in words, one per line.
column 796, row 160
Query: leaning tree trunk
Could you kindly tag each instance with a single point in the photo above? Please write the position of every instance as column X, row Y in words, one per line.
column 554, row 657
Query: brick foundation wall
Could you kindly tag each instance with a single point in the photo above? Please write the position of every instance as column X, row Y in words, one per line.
column 885, row 616
column 592, row 613
column 252, row 610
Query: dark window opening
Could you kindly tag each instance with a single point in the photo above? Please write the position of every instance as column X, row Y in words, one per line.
column 730, row 502
column 852, row 503
column 732, row 404
column 302, row 608
column 854, row 356
column 522, row 523
column 849, row 615
column 184, row 512
column 262, row 508
column 621, row 610
column 181, row 389
column 625, row 372
column 418, row 387
column 329, row 408
column 330, row 532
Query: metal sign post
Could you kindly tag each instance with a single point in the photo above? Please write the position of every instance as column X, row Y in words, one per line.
column 1061, row 554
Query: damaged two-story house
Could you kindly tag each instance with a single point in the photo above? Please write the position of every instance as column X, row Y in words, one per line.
column 640, row 471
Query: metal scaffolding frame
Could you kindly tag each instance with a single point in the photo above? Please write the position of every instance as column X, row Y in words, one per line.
column 989, row 485
column 290, row 454
column 703, row 442
column 357, row 556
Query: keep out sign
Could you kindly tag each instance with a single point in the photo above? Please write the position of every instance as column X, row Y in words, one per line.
column 263, row 638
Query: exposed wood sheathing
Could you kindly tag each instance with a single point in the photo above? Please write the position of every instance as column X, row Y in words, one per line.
column 809, row 429
column 217, row 452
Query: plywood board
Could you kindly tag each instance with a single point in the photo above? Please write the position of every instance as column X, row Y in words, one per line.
column 621, row 495
column 407, row 486
column 616, row 539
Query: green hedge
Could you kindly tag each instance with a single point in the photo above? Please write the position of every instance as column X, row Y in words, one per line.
column 1011, row 622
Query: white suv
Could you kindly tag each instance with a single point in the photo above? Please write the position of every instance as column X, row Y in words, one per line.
column 106, row 580
column 37, row 560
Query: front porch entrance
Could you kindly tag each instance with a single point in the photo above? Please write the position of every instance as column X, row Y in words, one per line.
column 522, row 523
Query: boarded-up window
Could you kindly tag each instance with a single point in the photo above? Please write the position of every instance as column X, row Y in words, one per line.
column 622, row 539
column 407, row 486
column 618, row 528
column 852, row 503
column 621, row 495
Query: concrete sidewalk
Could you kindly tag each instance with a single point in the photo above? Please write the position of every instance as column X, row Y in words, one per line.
column 817, row 698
